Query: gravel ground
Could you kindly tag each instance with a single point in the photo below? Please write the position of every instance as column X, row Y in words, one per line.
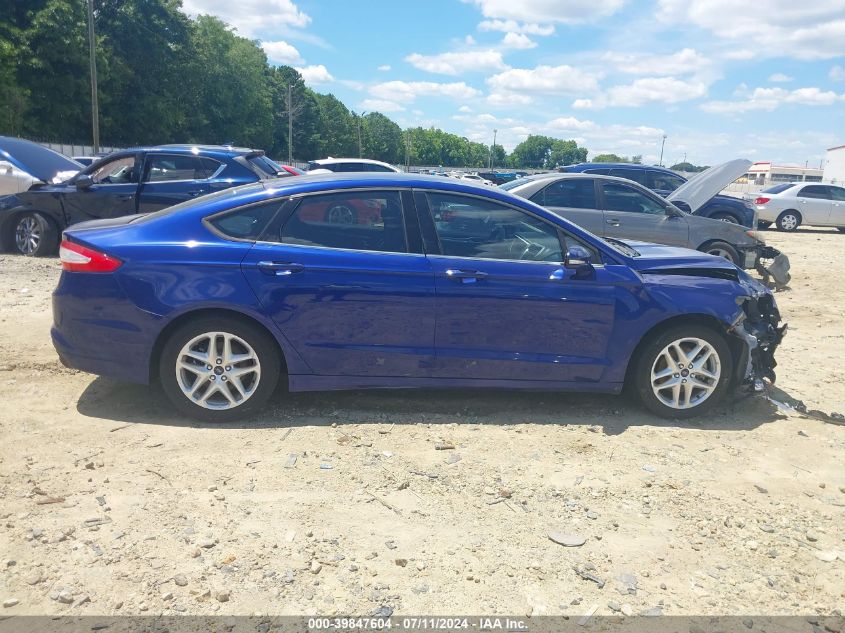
column 339, row 503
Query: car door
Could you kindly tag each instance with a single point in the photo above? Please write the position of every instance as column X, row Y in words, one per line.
column 507, row 308
column 354, row 298
column 815, row 203
column 631, row 213
column 111, row 194
column 575, row 200
column 169, row 179
column 837, row 213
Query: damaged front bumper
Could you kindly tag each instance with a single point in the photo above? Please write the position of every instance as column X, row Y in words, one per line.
column 760, row 331
column 770, row 263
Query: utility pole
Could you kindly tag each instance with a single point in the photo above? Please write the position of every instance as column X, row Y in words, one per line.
column 92, row 55
column 492, row 147
column 290, row 124
column 358, row 118
column 407, row 151
column 662, row 144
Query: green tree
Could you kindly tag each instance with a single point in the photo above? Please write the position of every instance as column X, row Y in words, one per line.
column 305, row 114
column 382, row 139
column 500, row 157
column 608, row 158
column 338, row 130
column 545, row 152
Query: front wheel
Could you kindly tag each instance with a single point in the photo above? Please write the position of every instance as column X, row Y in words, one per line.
column 34, row 235
column 219, row 369
column 723, row 249
column 683, row 372
column 725, row 217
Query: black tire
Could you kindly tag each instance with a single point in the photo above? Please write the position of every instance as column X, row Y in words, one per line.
column 841, row 229
column 784, row 223
column 649, row 358
column 341, row 214
column 722, row 249
column 763, row 225
column 725, row 217
column 264, row 347
column 33, row 235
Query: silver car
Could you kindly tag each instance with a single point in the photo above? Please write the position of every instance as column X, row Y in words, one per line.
column 622, row 209
column 789, row 205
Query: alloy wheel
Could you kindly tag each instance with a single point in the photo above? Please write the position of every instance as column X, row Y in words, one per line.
column 218, row 370
column 721, row 252
column 341, row 214
column 28, row 234
column 789, row 222
column 685, row 373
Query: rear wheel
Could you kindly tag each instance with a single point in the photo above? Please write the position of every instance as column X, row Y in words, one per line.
column 788, row 221
column 34, row 235
column 219, row 369
column 723, row 249
column 683, row 372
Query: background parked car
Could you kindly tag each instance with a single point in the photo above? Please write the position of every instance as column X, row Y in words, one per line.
column 85, row 160
column 477, row 180
column 137, row 180
column 499, row 293
column 325, row 165
column 622, row 209
column 664, row 182
column 24, row 163
column 789, row 205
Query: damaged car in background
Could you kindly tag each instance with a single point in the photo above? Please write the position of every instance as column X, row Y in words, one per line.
column 452, row 285
column 623, row 209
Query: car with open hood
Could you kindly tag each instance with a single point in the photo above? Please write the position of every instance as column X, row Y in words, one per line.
column 126, row 182
column 453, row 285
column 622, row 209
column 24, row 163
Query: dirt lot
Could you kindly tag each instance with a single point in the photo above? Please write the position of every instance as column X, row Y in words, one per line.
column 111, row 504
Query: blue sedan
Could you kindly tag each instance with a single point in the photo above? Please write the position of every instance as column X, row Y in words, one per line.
column 399, row 281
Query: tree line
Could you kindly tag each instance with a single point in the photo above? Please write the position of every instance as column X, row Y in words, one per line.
column 167, row 78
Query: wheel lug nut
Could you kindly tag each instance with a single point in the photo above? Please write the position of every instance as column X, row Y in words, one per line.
column 228, row 368
column 676, row 375
column 684, row 380
column 208, row 366
column 219, row 361
column 211, row 378
column 224, row 379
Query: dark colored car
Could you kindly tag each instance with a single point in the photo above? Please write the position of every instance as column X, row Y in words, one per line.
column 664, row 181
column 457, row 285
column 137, row 180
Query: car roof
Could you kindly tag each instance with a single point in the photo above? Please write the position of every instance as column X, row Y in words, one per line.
column 618, row 166
column 332, row 161
column 193, row 149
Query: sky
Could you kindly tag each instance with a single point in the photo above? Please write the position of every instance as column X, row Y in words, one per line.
column 721, row 79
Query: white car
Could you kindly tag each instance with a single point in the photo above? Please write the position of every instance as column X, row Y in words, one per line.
column 477, row 179
column 345, row 165
column 24, row 163
column 789, row 205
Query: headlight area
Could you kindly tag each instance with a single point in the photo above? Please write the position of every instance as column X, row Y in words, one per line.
column 758, row 326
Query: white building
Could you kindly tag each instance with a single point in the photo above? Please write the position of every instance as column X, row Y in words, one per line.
column 834, row 165
column 766, row 173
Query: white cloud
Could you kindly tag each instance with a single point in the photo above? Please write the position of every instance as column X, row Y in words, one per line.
column 281, row 53
column 685, row 61
column 642, row 91
column 512, row 26
column 837, row 73
column 251, row 17
column 508, row 99
column 775, row 28
column 570, row 124
column 464, row 108
column 456, row 63
column 384, row 68
column 518, row 41
column 553, row 80
column 548, row 11
column 780, row 78
column 315, row 74
column 380, row 105
column 769, row 99
column 408, row 91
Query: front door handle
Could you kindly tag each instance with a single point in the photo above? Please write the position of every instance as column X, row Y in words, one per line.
column 613, row 222
column 465, row 276
column 126, row 196
column 280, row 269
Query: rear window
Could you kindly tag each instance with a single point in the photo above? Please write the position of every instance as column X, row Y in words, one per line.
column 264, row 164
column 201, row 201
column 778, row 188
column 247, row 223
column 513, row 184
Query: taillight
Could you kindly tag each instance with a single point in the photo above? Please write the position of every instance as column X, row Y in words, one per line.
column 81, row 259
column 761, row 200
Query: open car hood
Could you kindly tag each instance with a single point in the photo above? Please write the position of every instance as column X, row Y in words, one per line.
column 699, row 189
column 36, row 160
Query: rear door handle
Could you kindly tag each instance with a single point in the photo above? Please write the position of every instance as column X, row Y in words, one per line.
column 465, row 276
column 280, row 269
column 613, row 222
column 126, row 196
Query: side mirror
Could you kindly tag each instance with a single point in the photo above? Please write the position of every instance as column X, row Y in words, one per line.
column 83, row 182
column 577, row 256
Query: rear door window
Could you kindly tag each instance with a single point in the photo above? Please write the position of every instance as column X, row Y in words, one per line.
column 815, row 191
column 247, row 223
column 374, row 167
column 165, row 167
column 637, row 175
column 660, row 181
column 362, row 220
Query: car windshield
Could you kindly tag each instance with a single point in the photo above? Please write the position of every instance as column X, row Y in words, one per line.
column 513, row 184
column 778, row 188
column 202, row 200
